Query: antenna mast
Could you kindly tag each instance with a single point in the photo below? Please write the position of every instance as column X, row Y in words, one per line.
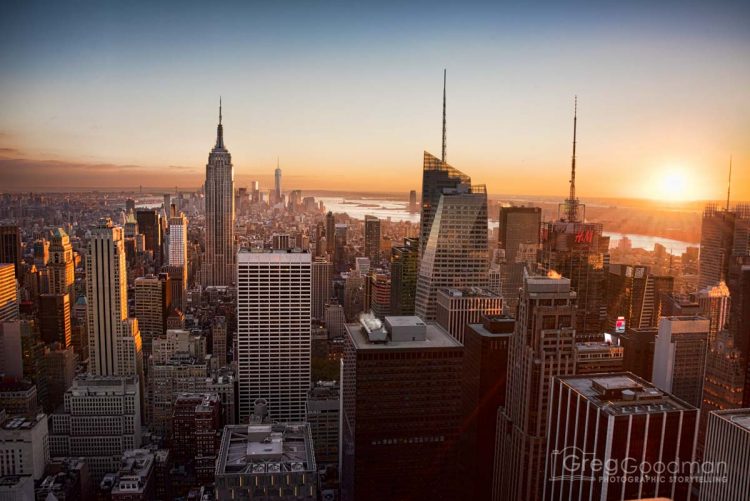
column 729, row 185
column 444, row 138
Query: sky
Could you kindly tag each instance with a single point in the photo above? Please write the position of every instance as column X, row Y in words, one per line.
column 347, row 95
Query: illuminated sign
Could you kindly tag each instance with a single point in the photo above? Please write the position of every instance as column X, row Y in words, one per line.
column 620, row 325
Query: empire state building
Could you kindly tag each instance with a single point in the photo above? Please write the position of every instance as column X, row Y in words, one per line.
column 218, row 263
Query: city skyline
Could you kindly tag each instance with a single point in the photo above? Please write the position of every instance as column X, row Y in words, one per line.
column 658, row 86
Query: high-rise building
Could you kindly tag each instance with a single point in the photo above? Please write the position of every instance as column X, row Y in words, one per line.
column 59, row 369
column 8, row 293
column 149, row 225
column 372, row 239
column 54, row 319
column 114, row 340
column 579, row 251
column 380, row 294
column 273, row 332
column 340, row 258
column 218, row 261
column 633, row 294
column 41, row 252
column 23, row 445
column 413, row 207
column 595, row 357
column 178, row 260
column 330, row 233
column 219, row 341
column 404, row 268
column 277, row 182
column 638, row 351
column 11, row 348
column 100, row 419
column 519, row 234
column 322, row 275
column 456, row 254
column 542, row 346
column 624, row 422
column 61, row 266
column 437, row 176
column 728, row 444
column 323, row 416
column 680, row 357
column 267, row 461
column 281, row 241
column 457, row 308
column 10, row 248
column 401, row 410
column 18, row 397
column 152, row 300
column 335, row 319
column 723, row 235
column 196, row 432
column 714, row 305
column 486, row 346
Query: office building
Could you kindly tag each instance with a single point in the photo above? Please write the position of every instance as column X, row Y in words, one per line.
column 41, row 253
column 60, row 370
column 519, row 233
column 628, row 421
column 222, row 383
column 114, row 339
column 728, row 443
column 268, row 461
column 277, row 183
column 633, row 294
column 10, row 248
column 11, row 348
column 323, row 416
column 680, row 357
column 149, row 225
column 60, row 265
column 322, row 275
column 196, row 432
column 638, row 351
column 455, row 254
column 152, row 300
column 178, row 260
column 24, row 448
column 723, row 235
column 273, row 332
column 134, row 480
column 340, row 257
column 380, row 293
column 330, row 233
column 8, row 293
column 542, row 346
column 219, row 341
column 413, row 207
column 595, row 357
column 218, row 261
column 401, row 409
column 404, row 268
column 54, row 319
column 100, row 419
column 372, row 239
column 486, row 346
column 18, row 396
column 457, row 308
column 714, row 303
column 335, row 319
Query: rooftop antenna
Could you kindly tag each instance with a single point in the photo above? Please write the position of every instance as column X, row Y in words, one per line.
column 729, row 185
column 573, row 161
column 219, row 110
column 444, row 138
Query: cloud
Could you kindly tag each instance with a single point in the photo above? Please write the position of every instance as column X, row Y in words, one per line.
column 18, row 174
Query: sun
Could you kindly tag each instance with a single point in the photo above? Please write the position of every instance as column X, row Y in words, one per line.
column 673, row 185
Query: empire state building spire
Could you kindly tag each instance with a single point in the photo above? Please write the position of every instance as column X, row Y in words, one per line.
column 572, row 205
column 220, row 130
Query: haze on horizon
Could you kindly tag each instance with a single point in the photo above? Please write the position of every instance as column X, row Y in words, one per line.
column 109, row 94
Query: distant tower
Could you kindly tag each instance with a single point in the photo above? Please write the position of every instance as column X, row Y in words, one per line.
column 372, row 239
column 330, row 232
column 277, row 181
column 218, row 264
column 62, row 269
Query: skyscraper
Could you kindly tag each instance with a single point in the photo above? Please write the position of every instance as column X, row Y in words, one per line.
column 149, row 225
column 519, row 232
column 714, row 305
column 54, row 319
column 273, row 332
column 413, row 201
column 218, row 262
column 401, row 390
column 8, row 293
column 728, row 444
column 114, row 342
column 680, row 357
column 457, row 308
column 456, row 251
column 579, row 251
column 372, row 239
column 404, row 267
column 542, row 346
column 61, row 266
column 277, row 182
column 322, row 274
column 624, row 422
column 330, row 231
column 723, row 235
column 10, row 248
column 152, row 300
column 633, row 294
column 340, row 258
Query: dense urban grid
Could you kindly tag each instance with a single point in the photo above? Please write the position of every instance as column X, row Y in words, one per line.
column 248, row 343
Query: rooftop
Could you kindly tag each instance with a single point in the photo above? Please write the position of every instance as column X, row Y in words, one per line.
column 467, row 292
column 624, row 393
column 259, row 449
column 435, row 337
column 740, row 417
column 21, row 422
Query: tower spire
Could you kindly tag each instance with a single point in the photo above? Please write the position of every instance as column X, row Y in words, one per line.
column 571, row 204
column 220, row 130
column 729, row 184
column 444, row 137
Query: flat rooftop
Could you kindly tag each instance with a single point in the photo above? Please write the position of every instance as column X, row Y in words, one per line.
column 21, row 422
column 260, row 449
column 436, row 337
column 740, row 417
column 624, row 393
